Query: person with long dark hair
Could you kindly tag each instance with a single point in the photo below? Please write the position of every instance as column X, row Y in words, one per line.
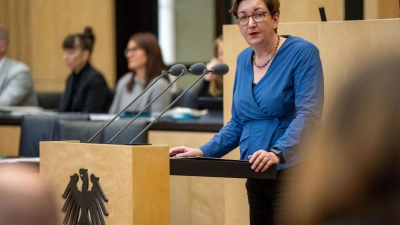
column 145, row 64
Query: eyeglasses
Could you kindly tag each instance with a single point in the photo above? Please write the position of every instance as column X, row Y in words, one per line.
column 131, row 50
column 257, row 17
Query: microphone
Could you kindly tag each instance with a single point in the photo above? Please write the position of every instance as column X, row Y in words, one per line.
column 176, row 70
column 220, row 69
column 196, row 69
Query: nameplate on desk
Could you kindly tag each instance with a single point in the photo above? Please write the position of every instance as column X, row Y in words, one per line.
column 19, row 160
column 213, row 167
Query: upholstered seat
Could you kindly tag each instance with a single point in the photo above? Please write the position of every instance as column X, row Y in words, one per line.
column 79, row 130
column 48, row 100
column 36, row 128
column 128, row 134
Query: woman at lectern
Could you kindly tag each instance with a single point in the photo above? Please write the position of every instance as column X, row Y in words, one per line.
column 145, row 64
column 277, row 96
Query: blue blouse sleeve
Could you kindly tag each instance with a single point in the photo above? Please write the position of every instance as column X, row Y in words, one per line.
column 309, row 98
column 227, row 138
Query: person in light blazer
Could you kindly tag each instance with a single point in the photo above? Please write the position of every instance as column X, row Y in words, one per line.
column 145, row 64
column 16, row 84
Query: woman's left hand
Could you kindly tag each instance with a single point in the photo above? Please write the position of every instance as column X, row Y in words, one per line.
column 262, row 160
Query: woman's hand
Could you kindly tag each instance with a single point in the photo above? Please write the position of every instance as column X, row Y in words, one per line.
column 183, row 151
column 262, row 160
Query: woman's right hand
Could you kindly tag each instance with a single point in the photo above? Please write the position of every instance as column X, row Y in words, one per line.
column 183, row 151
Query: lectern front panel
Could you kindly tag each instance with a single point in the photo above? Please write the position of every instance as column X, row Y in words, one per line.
column 134, row 179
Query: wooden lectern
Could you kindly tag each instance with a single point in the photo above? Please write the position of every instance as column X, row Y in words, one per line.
column 135, row 179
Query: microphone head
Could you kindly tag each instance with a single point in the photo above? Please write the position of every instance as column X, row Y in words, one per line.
column 176, row 70
column 197, row 68
column 220, row 69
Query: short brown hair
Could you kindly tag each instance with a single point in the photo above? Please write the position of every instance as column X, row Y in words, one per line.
column 272, row 6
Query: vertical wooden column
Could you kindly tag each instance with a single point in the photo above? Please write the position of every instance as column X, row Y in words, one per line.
column 341, row 53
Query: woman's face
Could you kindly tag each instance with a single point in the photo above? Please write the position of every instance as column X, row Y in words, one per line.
column 75, row 58
column 257, row 33
column 136, row 56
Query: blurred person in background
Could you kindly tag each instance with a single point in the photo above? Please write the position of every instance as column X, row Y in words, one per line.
column 145, row 64
column 352, row 175
column 25, row 197
column 86, row 89
column 16, row 84
column 212, row 85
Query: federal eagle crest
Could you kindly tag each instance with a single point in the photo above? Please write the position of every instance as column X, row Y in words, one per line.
column 86, row 205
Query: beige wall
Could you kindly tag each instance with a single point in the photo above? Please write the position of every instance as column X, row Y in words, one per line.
column 307, row 10
column 38, row 28
column 381, row 9
column 52, row 21
column 15, row 17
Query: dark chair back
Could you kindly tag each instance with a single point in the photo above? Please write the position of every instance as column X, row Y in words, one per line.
column 49, row 100
column 128, row 134
column 79, row 130
column 188, row 100
column 37, row 128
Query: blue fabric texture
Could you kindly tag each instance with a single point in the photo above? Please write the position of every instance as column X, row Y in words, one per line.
column 287, row 101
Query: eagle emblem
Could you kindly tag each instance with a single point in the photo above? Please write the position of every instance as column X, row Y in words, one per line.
column 86, row 205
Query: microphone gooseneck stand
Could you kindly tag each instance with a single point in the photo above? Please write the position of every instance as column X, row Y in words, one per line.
column 175, row 70
column 151, row 102
column 219, row 69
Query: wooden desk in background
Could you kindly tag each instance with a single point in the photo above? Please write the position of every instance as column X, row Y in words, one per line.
column 10, row 132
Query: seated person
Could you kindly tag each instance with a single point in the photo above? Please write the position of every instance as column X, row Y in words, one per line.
column 86, row 89
column 146, row 64
column 16, row 84
column 212, row 84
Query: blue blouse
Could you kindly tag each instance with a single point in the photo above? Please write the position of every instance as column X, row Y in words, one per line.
column 287, row 101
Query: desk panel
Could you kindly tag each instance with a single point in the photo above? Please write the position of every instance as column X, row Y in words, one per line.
column 194, row 200
column 9, row 140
